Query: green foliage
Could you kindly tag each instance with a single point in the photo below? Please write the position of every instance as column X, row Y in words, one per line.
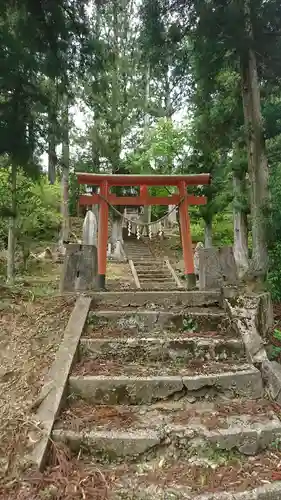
column 222, row 230
column 38, row 216
column 38, row 40
column 274, row 351
column 274, row 274
column 163, row 150
column 189, row 325
column 274, row 232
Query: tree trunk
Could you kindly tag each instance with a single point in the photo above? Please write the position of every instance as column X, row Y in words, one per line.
column 240, row 224
column 12, row 229
column 146, row 101
column 116, row 232
column 96, row 166
column 168, row 102
column 31, row 138
column 52, row 156
column 147, row 208
column 208, row 234
column 257, row 161
column 65, row 176
column 95, row 132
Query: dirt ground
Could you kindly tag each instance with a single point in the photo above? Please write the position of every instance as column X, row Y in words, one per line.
column 30, row 333
column 33, row 317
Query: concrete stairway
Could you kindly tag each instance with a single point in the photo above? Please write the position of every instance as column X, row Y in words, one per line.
column 163, row 402
column 152, row 273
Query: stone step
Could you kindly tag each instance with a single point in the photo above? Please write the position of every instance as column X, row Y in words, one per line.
column 162, row 349
column 153, row 274
column 130, row 431
column 183, row 321
column 138, row 250
column 140, row 255
column 157, row 299
column 246, row 479
column 160, row 286
column 99, row 383
column 159, row 279
column 145, row 264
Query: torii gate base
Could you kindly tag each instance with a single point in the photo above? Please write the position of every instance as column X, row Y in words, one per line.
column 106, row 181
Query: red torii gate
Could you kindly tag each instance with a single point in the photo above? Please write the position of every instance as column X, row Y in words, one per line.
column 106, row 181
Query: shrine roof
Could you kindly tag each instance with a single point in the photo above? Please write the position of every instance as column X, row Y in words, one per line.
column 139, row 180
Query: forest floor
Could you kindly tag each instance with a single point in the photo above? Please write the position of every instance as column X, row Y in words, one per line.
column 33, row 317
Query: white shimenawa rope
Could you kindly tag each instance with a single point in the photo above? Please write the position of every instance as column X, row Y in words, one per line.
column 140, row 223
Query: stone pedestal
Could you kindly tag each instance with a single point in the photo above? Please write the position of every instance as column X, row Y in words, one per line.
column 79, row 269
column 217, row 268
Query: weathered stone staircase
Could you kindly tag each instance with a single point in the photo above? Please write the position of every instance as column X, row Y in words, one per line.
column 164, row 401
column 152, row 272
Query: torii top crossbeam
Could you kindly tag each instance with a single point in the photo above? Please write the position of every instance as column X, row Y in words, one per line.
column 141, row 180
column 106, row 197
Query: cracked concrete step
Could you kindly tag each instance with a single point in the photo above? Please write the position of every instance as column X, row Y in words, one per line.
column 268, row 491
column 245, row 478
column 130, row 431
column 138, row 256
column 159, row 286
column 153, row 368
column 157, row 280
column 163, row 285
column 154, row 299
column 150, row 267
column 153, row 268
column 236, row 381
column 161, row 349
column 183, row 322
column 154, row 274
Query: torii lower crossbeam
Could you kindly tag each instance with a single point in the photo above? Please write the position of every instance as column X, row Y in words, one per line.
column 106, row 181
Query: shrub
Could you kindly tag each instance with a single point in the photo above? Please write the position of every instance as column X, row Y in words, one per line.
column 38, row 208
column 274, row 275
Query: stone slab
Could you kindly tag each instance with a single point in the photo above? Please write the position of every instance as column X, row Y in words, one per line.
column 271, row 372
column 207, row 319
column 243, row 312
column 56, row 381
column 124, row 390
column 161, row 349
column 87, row 268
column 101, row 389
column 158, row 298
column 107, row 444
column 266, row 492
column 216, row 267
column 69, row 268
column 149, row 426
column 245, row 383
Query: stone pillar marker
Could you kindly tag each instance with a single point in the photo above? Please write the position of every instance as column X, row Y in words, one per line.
column 87, row 267
column 80, row 264
column 198, row 247
column 90, row 227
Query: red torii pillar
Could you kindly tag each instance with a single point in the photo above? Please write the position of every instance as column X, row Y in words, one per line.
column 186, row 237
column 102, row 235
